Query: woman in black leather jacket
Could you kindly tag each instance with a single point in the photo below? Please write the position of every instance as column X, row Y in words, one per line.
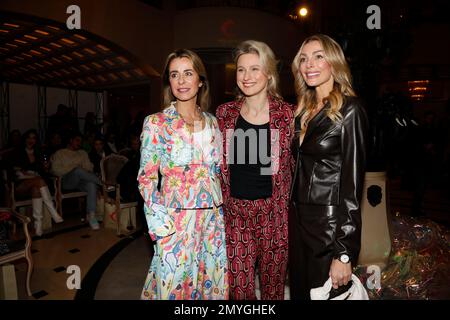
column 331, row 127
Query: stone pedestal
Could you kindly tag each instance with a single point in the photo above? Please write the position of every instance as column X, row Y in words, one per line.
column 375, row 237
column 8, row 283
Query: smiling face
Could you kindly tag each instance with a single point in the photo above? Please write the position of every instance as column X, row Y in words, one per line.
column 314, row 69
column 184, row 80
column 250, row 76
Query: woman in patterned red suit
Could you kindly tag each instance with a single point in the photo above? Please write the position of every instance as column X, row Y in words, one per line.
column 257, row 173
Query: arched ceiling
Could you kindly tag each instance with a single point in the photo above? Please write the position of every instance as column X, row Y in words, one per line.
column 44, row 52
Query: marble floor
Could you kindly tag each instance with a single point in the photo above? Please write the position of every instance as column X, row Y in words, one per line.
column 115, row 267
column 125, row 276
column 54, row 253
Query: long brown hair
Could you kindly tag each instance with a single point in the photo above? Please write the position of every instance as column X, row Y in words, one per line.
column 268, row 62
column 203, row 98
column 341, row 75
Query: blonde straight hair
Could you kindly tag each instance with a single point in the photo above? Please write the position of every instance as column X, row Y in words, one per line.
column 340, row 70
column 268, row 63
column 203, row 99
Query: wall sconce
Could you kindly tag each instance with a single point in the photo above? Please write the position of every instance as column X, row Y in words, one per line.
column 418, row 89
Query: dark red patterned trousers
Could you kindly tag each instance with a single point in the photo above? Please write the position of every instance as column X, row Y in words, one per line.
column 257, row 237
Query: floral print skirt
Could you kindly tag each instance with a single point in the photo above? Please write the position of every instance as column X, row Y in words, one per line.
column 190, row 264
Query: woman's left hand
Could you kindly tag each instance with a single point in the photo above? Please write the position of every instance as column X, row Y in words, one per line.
column 340, row 273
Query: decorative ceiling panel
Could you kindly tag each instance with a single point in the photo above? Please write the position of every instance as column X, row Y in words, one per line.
column 43, row 52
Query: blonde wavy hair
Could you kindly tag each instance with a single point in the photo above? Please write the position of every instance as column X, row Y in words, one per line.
column 268, row 62
column 203, row 99
column 341, row 75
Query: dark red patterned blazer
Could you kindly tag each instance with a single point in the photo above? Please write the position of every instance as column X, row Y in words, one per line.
column 281, row 120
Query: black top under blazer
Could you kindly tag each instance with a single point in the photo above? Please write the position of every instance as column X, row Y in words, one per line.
column 331, row 174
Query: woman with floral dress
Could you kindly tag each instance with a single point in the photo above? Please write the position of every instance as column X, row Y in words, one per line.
column 182, row 146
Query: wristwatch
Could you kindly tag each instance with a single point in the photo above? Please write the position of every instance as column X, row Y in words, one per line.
column 344, row 258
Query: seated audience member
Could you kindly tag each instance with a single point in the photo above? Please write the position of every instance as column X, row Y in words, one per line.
column 73, row 166
column 136, row 125
column 133, row 149
column 97, row 154
column 128, row 186
column 29, row 169
column 14, row 140
column 110, row 143
column 54, row 143
column 88, row 141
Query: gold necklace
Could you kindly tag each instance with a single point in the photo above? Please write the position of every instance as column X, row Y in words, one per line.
column 191, row 124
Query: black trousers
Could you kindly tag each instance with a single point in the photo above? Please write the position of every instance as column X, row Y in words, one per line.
column 311, row 250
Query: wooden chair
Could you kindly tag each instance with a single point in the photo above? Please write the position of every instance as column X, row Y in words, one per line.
column 11, row 199
column 20, row 248
column 110, row 167
column 22, row 201
column 61, row 194
column 14, row 201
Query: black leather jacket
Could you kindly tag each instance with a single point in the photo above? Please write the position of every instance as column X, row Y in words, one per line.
column 331, row 173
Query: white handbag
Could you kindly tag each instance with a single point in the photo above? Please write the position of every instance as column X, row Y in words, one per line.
column 356, row 291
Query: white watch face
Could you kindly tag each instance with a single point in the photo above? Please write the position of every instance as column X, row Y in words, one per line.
column 344, row 258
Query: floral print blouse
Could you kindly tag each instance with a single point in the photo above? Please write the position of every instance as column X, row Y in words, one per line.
column 188, row 165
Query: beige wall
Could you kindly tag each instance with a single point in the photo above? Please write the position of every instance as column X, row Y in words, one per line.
column 23, row 100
